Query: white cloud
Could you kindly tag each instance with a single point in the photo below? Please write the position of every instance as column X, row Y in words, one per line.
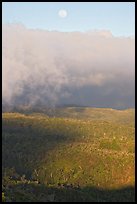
column 49, row 63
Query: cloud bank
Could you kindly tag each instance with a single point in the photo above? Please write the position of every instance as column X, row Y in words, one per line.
column 42, row 67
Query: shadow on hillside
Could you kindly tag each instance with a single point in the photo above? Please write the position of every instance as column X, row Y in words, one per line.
column 24, row 146
column 41, row 193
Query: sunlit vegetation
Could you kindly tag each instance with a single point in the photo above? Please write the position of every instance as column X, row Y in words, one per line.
column 62, row 157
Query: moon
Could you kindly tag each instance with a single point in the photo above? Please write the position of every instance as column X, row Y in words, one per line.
column 62, row 13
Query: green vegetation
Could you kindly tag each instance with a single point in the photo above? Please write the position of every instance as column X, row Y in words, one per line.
column 86, row 157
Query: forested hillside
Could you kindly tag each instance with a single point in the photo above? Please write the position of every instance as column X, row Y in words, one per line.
column 75, row 154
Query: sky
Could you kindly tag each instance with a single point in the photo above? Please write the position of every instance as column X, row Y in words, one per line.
column 119, row 17
column 68, row 53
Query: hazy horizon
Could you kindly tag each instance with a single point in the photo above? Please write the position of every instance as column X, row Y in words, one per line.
column 52, row 66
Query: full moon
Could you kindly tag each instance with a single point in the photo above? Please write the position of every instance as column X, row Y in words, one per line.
column 62, row 13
